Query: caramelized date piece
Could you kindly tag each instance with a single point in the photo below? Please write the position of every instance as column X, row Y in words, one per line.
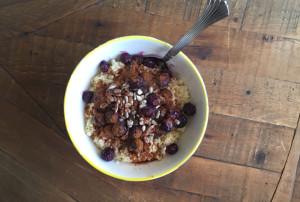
column 164, row 79
column 119, row 129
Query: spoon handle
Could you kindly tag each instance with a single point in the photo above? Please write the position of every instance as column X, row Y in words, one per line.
column 214, row 11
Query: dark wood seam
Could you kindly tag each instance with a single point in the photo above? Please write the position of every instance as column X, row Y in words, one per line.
column 298, row 125
column 36, row 102
column 244, row 15
column 99, row 2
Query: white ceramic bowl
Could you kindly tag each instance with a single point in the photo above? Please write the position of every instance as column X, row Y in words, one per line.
column 74, row 108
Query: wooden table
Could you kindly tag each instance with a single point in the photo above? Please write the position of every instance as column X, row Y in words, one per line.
column 251, row 66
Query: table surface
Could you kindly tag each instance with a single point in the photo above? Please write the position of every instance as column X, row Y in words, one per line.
column 249, row 62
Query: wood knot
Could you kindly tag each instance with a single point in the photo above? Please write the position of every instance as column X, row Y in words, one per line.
column 25, row 34
column 267, row 38
column 204, row 52
column 98, row 24
column 260, row 157
column 235, row 19
column 248, row 92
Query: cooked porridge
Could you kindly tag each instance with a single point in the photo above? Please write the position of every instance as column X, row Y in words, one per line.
column 136, row 110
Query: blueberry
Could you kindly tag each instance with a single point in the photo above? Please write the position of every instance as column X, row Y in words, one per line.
column 167, row 125
column 108, row 154
column 137, row 58
column 153, row 99
column 172, row 149
column 136, row 83
column 87, row 96
column 182, row 121
column 173, row 113
column 189, row 109
column 104, row 66
column 125, row 58
column 148, row 111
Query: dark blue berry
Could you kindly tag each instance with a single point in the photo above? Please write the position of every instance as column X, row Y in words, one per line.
column 125, row 58
column 136, row 83
column 182, row 121
column 104, row 66
column 87, row 96
column 189, row 109
column 153, row 99
column 172, row 149
column 174, row 114
column 108, row 154
column 148, row 111
column 167, row 125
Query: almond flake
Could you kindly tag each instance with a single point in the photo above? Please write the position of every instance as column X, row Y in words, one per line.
column 139, row 92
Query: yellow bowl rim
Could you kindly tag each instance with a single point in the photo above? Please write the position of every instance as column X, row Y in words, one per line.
column 203, row 129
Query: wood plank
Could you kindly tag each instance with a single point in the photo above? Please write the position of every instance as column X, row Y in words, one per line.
column 47, row 76
column 4, row 3
column 204, row 178
column 256, row 98
column 284, row 191
column 224, row 181
column 296, row 192
column 26, row 16
column 54, row 160
column 45, row 82
column 246, row 142
column 14, row 94
column 213, row 59
column 273, row 17
column 242, row 51
column 19, row 184
column 247, row 52
column 100, row 26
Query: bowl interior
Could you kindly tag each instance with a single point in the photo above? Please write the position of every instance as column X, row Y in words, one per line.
column 74, row 108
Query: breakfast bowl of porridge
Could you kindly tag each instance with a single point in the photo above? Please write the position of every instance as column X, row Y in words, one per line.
column 132, row 116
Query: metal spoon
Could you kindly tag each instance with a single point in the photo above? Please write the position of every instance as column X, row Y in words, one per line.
column 215, row 11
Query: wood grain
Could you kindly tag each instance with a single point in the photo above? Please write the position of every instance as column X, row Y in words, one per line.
column 223, row 82
column 19, row 184
column 249, row 62
column 45, row 77
column 21, row 17
column 30, row 150
column 273, row 17
column 296, row 193
column 243, row 142
column 13, row 93
column 284, row 191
